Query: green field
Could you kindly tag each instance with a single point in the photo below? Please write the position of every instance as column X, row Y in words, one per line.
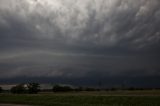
column 127, row 98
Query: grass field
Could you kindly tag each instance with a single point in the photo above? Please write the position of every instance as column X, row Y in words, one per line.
column 117, row 98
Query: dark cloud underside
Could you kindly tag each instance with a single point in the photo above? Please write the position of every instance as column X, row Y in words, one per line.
column 79, row 38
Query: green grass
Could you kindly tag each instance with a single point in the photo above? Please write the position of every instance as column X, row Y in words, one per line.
column 84, row 99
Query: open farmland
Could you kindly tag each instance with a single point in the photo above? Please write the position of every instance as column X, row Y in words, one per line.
column 114, row 98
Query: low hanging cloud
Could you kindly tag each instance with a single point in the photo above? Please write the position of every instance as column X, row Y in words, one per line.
column 77, row 38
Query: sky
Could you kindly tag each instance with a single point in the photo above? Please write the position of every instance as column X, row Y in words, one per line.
column 80, row 41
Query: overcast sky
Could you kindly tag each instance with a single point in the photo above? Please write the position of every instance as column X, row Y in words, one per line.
column 79, row 38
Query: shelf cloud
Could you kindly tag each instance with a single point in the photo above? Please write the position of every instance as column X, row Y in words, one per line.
column 79, row 38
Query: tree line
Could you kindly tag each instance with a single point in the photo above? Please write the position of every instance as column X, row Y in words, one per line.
column 34, row 88
column 31, row 88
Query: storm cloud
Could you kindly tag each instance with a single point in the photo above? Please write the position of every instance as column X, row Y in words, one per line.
column 79, row 38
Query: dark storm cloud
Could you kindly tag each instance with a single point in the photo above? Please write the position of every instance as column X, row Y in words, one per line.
column 74, row 38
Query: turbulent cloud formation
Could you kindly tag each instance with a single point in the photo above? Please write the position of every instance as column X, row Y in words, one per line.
column 79, row 38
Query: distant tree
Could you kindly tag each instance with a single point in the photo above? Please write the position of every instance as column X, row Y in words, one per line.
column 33, row 88
column 107, row 89
column 59, row 88
column 90, row 89
column 19, row 89
column 79, row 89
column 1, row 89
column 113, row 89
column 131, row 88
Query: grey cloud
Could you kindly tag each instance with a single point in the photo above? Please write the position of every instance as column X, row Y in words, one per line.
column 73, row 37
column 106, row 25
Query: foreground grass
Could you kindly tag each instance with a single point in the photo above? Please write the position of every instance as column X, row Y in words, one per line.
column 81, row 99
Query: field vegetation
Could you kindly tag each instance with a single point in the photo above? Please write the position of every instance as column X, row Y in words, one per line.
column 100, row 98
column 30, row 94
